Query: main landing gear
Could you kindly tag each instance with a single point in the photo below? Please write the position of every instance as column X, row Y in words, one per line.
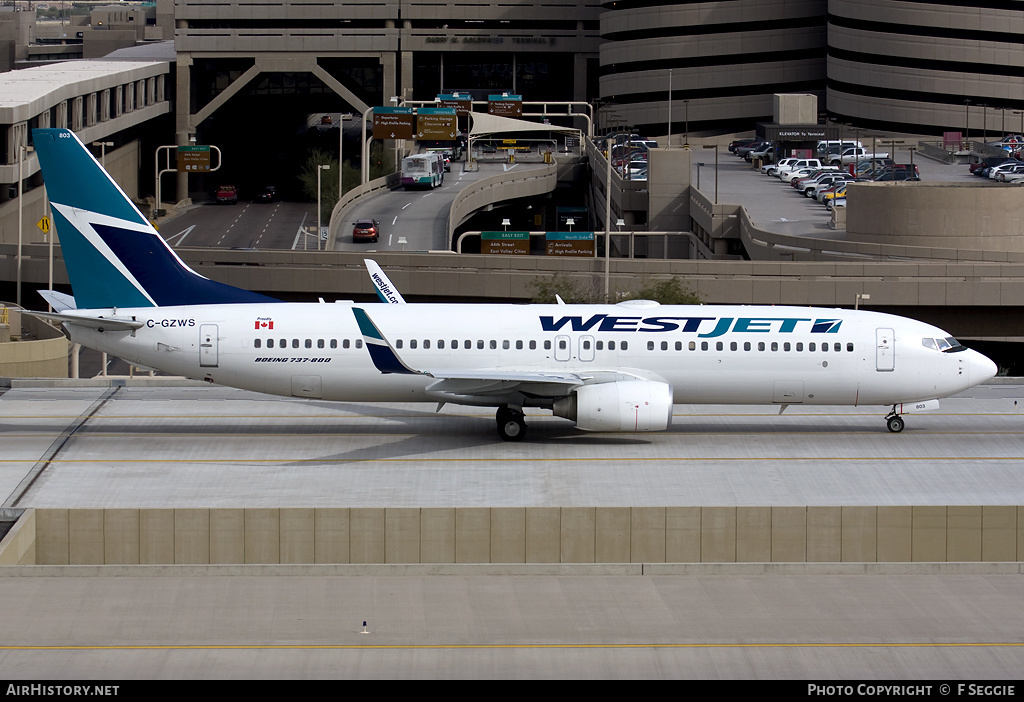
column 511, row 423
column 894, row 422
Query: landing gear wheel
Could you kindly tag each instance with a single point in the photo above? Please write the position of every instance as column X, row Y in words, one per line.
column 511, row 424
column 895, row 423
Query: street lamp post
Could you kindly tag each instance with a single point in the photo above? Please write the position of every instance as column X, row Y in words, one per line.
column 860, row 296
column 715, row 147
column 319, row 170
column 686, row 121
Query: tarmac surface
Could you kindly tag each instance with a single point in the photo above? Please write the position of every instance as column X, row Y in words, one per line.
column 207, row 446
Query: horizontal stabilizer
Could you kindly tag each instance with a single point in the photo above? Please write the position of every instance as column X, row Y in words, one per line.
column 97, row 323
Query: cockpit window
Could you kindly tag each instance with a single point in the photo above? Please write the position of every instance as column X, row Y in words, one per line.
column 946, row 345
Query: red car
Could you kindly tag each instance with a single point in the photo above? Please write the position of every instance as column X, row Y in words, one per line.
column 366, row 230
column 227, row 194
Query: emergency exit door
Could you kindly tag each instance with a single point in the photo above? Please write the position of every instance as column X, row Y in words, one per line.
column 885, row 352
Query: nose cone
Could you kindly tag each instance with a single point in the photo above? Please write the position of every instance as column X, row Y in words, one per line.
column 981, row 368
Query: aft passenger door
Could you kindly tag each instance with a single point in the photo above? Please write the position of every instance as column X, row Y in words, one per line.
column 885, row 352
column 208, row 345
column 563, row 349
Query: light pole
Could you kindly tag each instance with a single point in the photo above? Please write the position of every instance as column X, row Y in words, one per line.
column 319, row 170
column 669, row 108
column 103, row 151
column 22, row 150
column 686, row 122
column 860, row 296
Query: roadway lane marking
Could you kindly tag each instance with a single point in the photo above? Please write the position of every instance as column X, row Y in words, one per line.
column 508, row 168
column 183, row 233
column 394, row 220
column 406, row 205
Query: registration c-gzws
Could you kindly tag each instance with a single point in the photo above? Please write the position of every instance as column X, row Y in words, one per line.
column 167, row 323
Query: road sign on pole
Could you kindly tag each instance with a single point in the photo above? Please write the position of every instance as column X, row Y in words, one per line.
column 393, row 122
column 438, row 123
column 194, row 159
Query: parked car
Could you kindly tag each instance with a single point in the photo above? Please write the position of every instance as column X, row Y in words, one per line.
column 366, row 230
column 742, row 151
column 764, row 151
column 227, row 195
column 733, row 145
column 772, row 168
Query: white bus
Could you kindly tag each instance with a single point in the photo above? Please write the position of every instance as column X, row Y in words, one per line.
column 422, row 170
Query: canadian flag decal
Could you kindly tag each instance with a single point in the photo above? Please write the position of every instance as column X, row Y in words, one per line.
column 264, row 323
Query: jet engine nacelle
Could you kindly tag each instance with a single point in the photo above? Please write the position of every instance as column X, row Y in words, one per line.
column 628, row 405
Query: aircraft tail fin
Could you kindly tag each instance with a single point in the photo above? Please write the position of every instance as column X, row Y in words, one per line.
column 114, row 256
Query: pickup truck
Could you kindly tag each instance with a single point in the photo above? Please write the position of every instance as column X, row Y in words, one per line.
column 854, row 155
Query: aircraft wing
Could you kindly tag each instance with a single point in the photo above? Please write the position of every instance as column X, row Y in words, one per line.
column 481, row 381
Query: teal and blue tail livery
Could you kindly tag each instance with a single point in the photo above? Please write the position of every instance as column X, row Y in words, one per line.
column 114, row 256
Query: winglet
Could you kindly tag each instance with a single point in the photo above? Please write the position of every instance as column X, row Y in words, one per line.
column 382, row 353
column 386, row 290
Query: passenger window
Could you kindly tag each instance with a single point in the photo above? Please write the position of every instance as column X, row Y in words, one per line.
column 479, row 343
column 719, row 346
column 284, row 343
column 837, row 346
column 679, row 346
column 547, row 345
column 319, row 343
column 426, row 343
column 664, row 346
column 775, row 346
column 760, row 346
column 309, row 343
column 494, row 344
column 562, row 345
column 455, row 343
column 506, row 344
column 519, row 344
column 624, row 345
column 359, row 343
column 703, row 346
column 533, row 345
column 732, row 346
column 398, row 343
column 849, row 346
column 295, row 343
column 746, row 345
column 812, row 346
column 785, row 346
column 799, row 346
column 440, row 343
column 270, row 343
column 650, row 345
column 334, row 343
column 345, row 344
column 586, row 344
column 600, row 346
column 257, row 343
column 412, row 343
column 824, row 347
column 693, row 345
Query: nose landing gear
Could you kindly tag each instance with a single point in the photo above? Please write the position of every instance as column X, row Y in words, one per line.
column 511, row 423
column 894, row 422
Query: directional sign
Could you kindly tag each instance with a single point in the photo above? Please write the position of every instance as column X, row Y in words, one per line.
column 194, row 159
column 393, row 122
column 438, row 123
column 505, row 105
column 569, row 243
column 44, row 224
column 462, row 103
column 515, row 243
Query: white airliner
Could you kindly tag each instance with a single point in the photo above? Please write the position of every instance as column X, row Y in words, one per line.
column 610, row 368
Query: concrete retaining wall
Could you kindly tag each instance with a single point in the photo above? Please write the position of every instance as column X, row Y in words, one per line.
column 829, row 534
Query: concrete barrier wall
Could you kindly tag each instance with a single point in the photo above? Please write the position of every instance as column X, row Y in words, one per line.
column 829, row 534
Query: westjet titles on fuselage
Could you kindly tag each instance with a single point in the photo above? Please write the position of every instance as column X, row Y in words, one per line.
column 709, row 327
